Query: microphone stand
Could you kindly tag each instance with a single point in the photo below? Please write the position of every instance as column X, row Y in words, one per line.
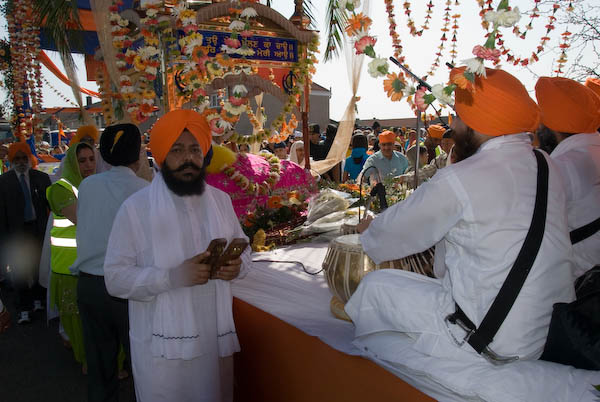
column 376, row 190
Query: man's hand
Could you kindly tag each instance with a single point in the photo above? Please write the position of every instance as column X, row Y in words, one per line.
column 191, row 272
column 364, row 224
column 230, row 271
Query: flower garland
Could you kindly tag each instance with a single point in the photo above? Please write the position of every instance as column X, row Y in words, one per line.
column 396, row 43
column 443, row 39
column 194, row 68
column 503, row 16
column 509, row 56
column 106, row 96
column 250, row 187
column 564, row 45
column 26, row 72
column 411, row 22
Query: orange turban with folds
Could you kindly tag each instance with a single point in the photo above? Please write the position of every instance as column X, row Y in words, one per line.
column 21, row 146
column 567, row 106
column 387, row 137
column 169, row 127
column 85, row 131
column 499, row 105
column 593, row 84
column 436, row 131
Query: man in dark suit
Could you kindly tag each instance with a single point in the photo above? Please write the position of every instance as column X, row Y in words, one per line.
column 23, row 219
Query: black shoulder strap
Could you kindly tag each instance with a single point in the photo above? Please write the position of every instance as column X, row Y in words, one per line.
column 584, row 232
column 484, row 335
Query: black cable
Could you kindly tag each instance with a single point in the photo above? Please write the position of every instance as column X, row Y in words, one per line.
column 292, row 262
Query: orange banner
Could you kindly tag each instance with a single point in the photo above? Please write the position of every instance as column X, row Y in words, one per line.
column 45, row 60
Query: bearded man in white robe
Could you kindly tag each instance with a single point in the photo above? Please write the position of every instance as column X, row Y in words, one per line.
column 182, row 332
column 481, row 221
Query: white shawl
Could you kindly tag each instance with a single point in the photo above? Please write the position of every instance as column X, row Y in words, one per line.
column 177, row 328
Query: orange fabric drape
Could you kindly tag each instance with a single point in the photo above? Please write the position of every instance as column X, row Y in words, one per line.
column 278, row 362
column 45, row 60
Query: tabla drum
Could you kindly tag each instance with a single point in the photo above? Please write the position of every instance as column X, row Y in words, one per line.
column 346, row 264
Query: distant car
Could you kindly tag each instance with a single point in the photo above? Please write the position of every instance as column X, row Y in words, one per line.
column 6, row 134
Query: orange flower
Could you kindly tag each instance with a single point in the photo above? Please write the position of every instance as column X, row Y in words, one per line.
column 357, row 23
column 393, row 85
column 274, row 202
column 146, row 108
column 461, row 81
column 293, row 194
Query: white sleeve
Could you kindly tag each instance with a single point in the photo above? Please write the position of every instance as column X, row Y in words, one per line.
column 416, row 224
column 123, row 275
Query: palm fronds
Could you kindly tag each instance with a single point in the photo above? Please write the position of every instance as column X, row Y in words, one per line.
column 335, row 21
column 60, row 19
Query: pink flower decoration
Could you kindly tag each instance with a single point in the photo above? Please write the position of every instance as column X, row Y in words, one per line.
column 214, row 128
column 190, row 28
column 233, row 43
column 237, row 101
column 419, row 99
column 246, row 33
column 486, row 53
column 199, row 92
column 365, row 45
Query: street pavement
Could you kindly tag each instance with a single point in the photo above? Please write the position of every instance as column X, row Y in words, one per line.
column 35, row 366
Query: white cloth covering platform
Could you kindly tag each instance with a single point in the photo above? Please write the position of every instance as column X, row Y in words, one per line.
column 302, row 300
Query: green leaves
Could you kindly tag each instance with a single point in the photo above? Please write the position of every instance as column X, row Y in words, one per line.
column 336, row 21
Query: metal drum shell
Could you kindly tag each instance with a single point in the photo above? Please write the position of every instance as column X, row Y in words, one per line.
column 346, row 263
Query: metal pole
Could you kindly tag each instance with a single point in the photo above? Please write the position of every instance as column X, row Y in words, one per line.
column 417, row 149
column 305, row 110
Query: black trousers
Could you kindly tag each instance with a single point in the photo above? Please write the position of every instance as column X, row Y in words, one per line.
column 25, row 271
column 105, row 324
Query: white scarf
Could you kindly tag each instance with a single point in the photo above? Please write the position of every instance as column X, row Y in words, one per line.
column 177, row 326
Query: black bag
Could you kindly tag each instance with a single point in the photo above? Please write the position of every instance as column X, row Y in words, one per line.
column 574, row 334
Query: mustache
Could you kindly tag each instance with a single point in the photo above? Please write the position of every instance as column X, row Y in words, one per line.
column 186, row 165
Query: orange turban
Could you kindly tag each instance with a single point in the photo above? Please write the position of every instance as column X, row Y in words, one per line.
column 567, row 106
column 85, row 131
column 169, row 127
column 593, row 84
column 387, row 137
column 436, row 131
column 499, row 105
column 21, row 146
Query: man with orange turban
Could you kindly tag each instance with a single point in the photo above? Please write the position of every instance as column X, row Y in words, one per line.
column 182, row 332
column 571, row 112
column 23, row 219
column 477, row 212
column 385, row 162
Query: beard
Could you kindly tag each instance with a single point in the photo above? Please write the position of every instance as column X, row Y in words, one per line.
column 465, row 144
column 195, row 186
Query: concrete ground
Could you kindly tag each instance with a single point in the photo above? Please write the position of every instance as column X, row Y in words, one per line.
column 35, row 366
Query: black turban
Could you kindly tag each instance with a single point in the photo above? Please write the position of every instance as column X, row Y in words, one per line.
column 120, row 144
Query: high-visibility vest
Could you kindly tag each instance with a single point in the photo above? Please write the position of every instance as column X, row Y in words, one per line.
column 63, row 242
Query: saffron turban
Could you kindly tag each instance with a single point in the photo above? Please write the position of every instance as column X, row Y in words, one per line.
column 21, row 146
column 120, row 144
column 499, row 105
column 567, row 106
column 593, row 84
column 387, row 137
column 169, row 127
column 85, row 131
column 436, row 131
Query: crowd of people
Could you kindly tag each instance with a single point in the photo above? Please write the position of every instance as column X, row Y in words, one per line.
column 123, row 254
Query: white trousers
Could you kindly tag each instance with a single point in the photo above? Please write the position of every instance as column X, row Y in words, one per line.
column 401, row 301
column 207, row 378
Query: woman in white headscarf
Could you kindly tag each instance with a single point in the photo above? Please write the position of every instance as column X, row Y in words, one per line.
column 297, row 153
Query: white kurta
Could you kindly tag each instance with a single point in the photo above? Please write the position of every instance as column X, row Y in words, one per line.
column 481, row 220
column 578, row 159
column 173, row 332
